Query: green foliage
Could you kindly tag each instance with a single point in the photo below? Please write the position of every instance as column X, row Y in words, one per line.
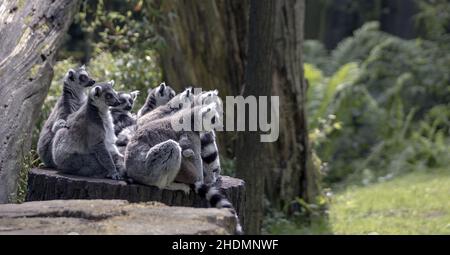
column 357, row 47
column 433, row 19
column 314, row 53
column 382, row 110
column 228, row 166
column 130, row 70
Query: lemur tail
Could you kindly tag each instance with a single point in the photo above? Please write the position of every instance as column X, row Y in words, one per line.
column 217, row 200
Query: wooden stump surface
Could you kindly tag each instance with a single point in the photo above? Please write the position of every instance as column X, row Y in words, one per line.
column 48, row 184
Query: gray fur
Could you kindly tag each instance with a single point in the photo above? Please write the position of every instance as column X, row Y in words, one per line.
column 75, row 82
column 121, row 114
column 153, row 157
column 156, row 97
column 180, row 101
column 86, row 146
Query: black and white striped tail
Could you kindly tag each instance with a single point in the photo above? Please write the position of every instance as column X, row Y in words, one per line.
column 210, row 154
column 217, row 200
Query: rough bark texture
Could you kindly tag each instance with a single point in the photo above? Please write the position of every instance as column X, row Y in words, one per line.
column 252, row 166
column 49, row 185
column 295, row 178
column 30, row 34
column 211, row 52
column 88, row 217
column 205, row 47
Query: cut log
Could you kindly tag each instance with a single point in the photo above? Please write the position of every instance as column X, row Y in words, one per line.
column 30, row 35
column 47, row 184
column 112, row 217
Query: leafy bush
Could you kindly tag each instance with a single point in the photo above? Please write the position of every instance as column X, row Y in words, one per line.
column 383, row 99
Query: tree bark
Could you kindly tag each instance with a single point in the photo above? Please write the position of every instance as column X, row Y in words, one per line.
column 205, row 46
column 30, row 35
column 251, row 167
column 296, row 178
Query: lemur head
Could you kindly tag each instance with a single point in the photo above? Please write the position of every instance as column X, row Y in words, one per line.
column 184, row 99
column 160, row 95
column 210, row 117
column 209, row 97
column 103, row 95
column 79, row 77
column 126, row 100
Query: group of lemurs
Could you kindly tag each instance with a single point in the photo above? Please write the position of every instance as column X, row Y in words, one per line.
column 92, row 132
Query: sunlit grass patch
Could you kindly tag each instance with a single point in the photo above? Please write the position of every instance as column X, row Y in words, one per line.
column 418, row 203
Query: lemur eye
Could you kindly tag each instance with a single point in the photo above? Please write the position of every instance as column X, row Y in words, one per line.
column 122, row 101
column 130, row 101
column 83, row 78
column 108, row 96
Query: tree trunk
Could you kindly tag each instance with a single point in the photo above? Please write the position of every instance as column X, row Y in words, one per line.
column 30, row 35
column 205, row 46
column 295, row 177
column 252, row 166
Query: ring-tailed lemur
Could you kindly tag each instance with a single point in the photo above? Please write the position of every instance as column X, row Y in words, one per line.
column 156, row 97
column 121, row 114
column 154, row 156
column 180, row 101
column 86, row 146
column 75, row 82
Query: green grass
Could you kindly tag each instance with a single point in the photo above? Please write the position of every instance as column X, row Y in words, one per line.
column 417, row 203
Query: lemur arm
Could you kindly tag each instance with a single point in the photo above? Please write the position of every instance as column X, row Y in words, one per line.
column 105, row 159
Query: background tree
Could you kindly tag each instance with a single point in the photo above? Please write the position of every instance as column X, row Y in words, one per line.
column 291, row 174
column 206, row 47
column 252, row 166
column 27, row 54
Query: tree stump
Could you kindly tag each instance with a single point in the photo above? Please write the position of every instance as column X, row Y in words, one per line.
column 48, row 184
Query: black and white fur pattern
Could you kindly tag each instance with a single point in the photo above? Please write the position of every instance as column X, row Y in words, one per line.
column 73, row 96
column 217, row 200
column 86, row 146
column 210, row 151
column 210, row 157
column 121, row 114
column 156, row 97
column 154, row 156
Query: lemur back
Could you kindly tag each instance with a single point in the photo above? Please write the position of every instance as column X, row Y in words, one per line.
column 74, row 84
column 154, row 156
column 180, row 101
column 86, row 146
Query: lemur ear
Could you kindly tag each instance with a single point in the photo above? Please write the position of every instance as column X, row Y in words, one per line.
column 83, row 67
column 134, row 94
column 112, row 82
column 215, row 92
column 97, row 91
column 71, row 74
